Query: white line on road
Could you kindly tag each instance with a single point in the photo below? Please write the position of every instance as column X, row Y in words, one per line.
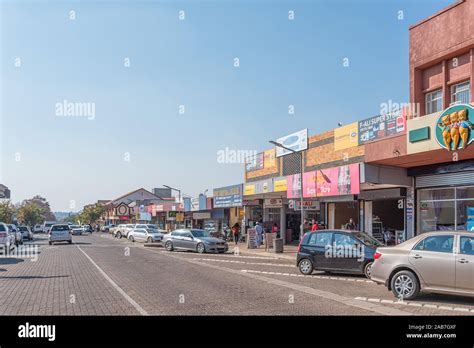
column 246, row 263
column 416, row 304
column 116, row 287
column 307, row 276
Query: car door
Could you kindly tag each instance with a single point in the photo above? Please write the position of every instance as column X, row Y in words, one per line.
column 434, row 259
column 317, row 246
column 465, row 264
column 188, row 241
column 345, row 255
column 138, row 234
column 177, row 239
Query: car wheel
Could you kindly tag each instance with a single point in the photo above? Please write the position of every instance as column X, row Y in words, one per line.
column 305, row 266
column 368, row 269
column 169, row 246
column 150, row 240
column 200, row 248
column 405, row 285
column 131, row 239
column 50, row 243
column 119, row 235
column 70, row 241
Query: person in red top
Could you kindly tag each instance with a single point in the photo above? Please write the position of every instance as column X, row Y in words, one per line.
column 315, row 226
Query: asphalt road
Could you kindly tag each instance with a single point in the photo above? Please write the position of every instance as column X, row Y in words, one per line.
column 100, row 275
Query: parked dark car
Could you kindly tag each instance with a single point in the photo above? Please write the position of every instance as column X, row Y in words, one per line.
column 338, row 251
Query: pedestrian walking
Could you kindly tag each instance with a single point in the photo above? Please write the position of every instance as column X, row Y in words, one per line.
column 236, row 232
column 351, row 225
column 314, row 226
column 259, row 231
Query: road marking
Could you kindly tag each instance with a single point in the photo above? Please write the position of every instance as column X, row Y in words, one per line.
column 116, row 287
column 308, row 276
column 415, row 304
column 246, row 263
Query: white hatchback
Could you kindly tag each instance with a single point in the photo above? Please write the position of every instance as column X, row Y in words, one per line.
column 7, row 240
column 60, row 233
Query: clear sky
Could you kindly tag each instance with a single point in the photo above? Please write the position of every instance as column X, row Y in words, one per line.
column 137, row 136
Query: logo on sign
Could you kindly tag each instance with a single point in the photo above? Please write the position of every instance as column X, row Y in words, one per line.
column 453, row 127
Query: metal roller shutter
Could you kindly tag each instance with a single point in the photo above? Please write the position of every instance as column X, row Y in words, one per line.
column 451, row 179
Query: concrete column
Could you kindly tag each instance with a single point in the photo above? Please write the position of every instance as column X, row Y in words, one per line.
column 283, row 223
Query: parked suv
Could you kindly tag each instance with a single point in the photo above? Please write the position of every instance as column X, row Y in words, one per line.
column 338, row 251
column 122, row 230
column 60, row 233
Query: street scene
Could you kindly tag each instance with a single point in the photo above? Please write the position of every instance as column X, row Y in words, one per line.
column 203, row 158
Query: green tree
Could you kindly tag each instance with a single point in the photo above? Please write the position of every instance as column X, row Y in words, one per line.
column 91, row 213
column 30, row 214
column 7, row 212
column 43, row 205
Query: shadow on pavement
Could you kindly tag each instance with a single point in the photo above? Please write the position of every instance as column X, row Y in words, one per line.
column 35, row 277
column 444, row 298
column 10, row 261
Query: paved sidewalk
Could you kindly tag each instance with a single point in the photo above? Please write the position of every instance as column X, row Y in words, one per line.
column 289, row 251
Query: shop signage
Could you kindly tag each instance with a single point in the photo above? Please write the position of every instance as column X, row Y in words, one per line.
column 227, row 197
column 307, row 205
column 252, row 238
column 122, row 209
column 454, row 127
column 297, row 141
column 123, row 217
column 250, row 202
column 257, row 187
column 201, row 216
column 194, row 204
column 254, row 162
column 346, row 136
column 249, row 189
column 171, row 215
column 336, row 181
column 279, row 185
column 269, row 160
column 381, row 126
column 273, row 203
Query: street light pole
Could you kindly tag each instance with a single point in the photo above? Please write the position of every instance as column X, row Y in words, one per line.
column 301, row 182
column 175, row 189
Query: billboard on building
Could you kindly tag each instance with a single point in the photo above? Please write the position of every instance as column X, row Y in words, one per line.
column 254, row 162
column 270, row 160
column 381, row 126
column 297, row 141
column 346, row 136
column 227, row 197
column 257, row 187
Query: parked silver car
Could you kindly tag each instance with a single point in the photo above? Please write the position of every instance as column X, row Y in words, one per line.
column 76, row 229
column 195, row 240
column 60, row 233
column 26, row 232
column 16, row 233
column 7, row 240
column 147, row 235
column 437, row 262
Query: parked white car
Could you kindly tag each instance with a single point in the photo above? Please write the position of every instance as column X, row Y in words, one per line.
column 7, row 240
column 145, row 235
column 60, row 233
column 122, row 230
column 76, row 229
column 26, row 232
column 16, row 234
column 37, row 229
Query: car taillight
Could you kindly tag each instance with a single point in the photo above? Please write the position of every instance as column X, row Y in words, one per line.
column 3, row 234
column 299, row 245
column 377, row 256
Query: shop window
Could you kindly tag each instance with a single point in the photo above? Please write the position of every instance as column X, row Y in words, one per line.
column 441, row 244
column 434, row 101
column 274, row 215
column 436, row 194
column 446, row 209
column 461, row 93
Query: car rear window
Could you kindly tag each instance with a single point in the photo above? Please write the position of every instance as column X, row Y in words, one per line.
column 2, row 228
column 22, row 229
column 60, row 228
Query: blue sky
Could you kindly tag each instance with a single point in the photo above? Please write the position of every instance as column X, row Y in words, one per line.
column 184, row 62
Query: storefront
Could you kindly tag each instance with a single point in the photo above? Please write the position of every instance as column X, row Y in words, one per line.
column 227, row 206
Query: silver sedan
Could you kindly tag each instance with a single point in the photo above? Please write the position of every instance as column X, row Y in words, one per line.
column 437, row 262
column 195, row 240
